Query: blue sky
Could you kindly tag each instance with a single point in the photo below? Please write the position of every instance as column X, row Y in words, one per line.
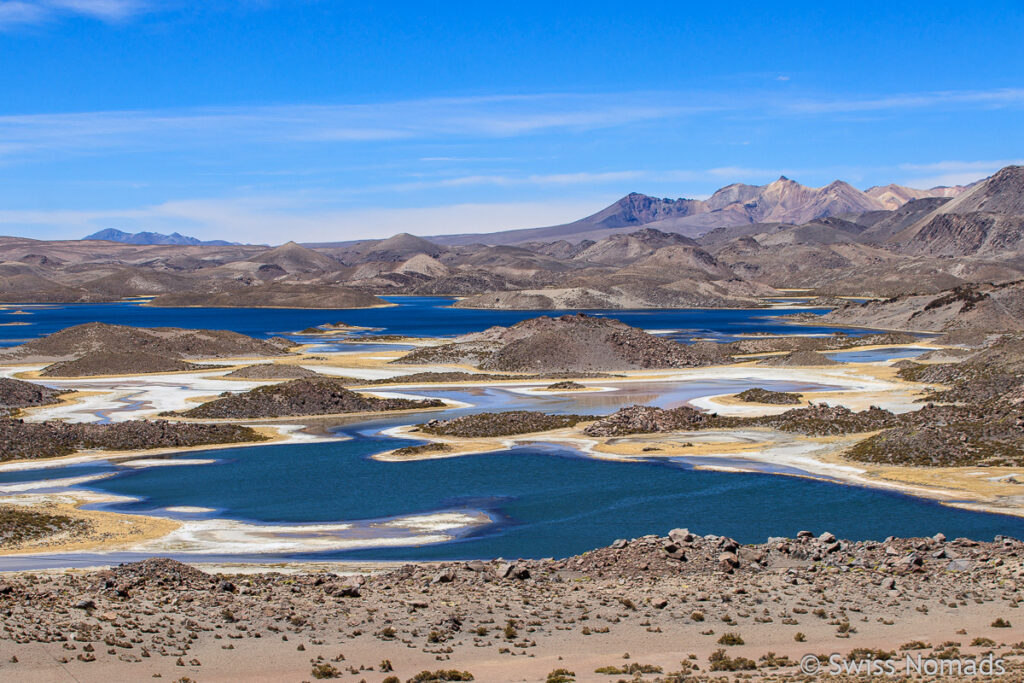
column 314, row 120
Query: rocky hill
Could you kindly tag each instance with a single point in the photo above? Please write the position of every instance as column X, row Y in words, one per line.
column 982, row 308
column 579, row 343
column 987, row 219
column 172, row 342
column 15, row 394
column 117, row 363
column 657, row 270
column 272, row 371
column 30, row 440
column 299, row 397
column 294, row 258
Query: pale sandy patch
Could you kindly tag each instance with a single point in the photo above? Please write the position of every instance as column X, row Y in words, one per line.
column 230, row 537
column 107, row 531
column 143, row 463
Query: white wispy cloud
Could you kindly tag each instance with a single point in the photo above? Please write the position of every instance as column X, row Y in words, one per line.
column 986, row 98
column 451, row 118
column 15, row 13
column 946, row 173
column 436, row 119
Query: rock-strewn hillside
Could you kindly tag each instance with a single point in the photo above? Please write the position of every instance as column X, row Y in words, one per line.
column 114, row 363
column 500, row 424
column 272, row 371
column 20, row 439
column 15, row 394
column 319, row 396
column 174, row 342
column 987, row 220
column 983, row 308
column 607, row 297
column 796, row 359
column 567, row 343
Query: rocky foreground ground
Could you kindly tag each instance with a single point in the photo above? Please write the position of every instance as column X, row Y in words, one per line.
column 685, row 607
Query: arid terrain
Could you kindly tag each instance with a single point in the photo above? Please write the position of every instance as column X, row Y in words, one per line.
column 676, row 608
column 736, row 248
column 937, row 271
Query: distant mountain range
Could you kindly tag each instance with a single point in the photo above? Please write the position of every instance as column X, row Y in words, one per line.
column 781, row 201
column 112, row 235
column 834, row 241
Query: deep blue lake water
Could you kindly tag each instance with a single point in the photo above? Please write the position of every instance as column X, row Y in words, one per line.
column 414, row 316
column 546, row 500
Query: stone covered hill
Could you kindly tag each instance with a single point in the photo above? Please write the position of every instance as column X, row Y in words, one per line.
column 987, row 220
column 173, row 342
column 16, row 394
column 31, row 440
column 98, row 363
column 310, row 396
column 570, row 343
column 982, row 308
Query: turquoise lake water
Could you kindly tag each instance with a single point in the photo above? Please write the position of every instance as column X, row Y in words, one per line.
column 544, row 500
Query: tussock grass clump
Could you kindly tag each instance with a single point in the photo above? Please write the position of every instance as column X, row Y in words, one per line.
column 441, row 676
column 722, row 662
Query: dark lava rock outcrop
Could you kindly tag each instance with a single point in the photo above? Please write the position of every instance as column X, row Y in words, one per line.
column 651, row 420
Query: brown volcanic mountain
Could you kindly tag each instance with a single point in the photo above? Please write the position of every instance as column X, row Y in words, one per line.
column 894, row 196
column 783, row 200
column 987, row 220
